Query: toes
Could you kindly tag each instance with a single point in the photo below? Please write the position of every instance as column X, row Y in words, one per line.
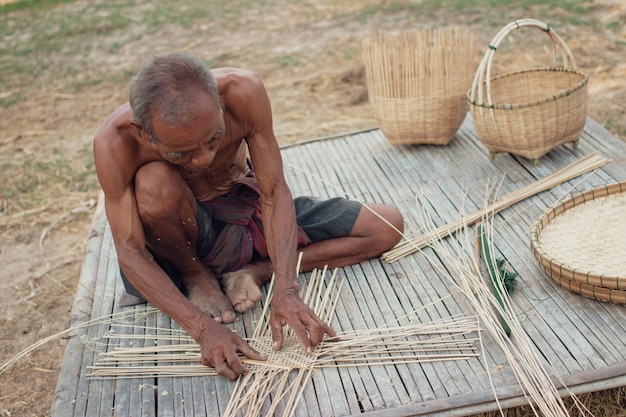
column 228, row 316
column 244, row 306
column 209, row 312
column 254, row 295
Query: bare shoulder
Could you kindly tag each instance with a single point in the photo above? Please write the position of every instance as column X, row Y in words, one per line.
column 116, row 152
column 236, row 80
column 239, row 88
column 245, row 98
column 112, row 126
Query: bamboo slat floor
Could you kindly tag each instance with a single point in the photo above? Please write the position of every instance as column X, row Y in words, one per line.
column 583, row 339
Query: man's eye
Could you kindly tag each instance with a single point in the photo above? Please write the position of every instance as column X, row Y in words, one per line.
column 174, row 155
column 215, row 137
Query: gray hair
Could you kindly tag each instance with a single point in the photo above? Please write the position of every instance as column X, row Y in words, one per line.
column 158, row 90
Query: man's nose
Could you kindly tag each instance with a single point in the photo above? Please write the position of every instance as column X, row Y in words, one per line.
column 203, row 157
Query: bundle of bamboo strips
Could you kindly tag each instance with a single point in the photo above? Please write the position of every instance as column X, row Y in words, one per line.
column 580, row 167
column 418, row 63
column 536, row 380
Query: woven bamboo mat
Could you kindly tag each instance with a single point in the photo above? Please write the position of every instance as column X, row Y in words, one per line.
column 580, row 243
column 591, row 236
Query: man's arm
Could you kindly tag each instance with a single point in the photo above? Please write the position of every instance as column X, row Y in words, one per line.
column 279, row 224
column 219, row 345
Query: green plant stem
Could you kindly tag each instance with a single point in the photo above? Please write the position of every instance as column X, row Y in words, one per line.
column 492, row 268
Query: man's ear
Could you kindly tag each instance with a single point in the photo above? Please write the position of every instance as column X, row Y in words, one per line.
column 141, row 132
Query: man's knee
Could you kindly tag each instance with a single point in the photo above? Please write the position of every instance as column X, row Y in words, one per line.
column 397, row 220
column 381, row 225
column 395, row 226
column 158, row 190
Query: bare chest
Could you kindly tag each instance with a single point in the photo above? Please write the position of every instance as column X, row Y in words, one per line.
column 218, row 179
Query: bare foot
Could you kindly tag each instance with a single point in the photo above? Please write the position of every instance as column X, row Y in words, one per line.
column 207, row 295
column 242, row 287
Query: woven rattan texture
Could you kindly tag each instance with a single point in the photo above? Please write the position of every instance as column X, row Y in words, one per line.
column 580, row 243
column 411, row 121
column 514, row 125
column 590, row 237
column 290, row 356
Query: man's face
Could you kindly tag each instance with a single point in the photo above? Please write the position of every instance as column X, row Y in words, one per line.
column 193, row 147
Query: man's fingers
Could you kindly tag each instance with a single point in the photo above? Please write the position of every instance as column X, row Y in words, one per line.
column 230, row 366
column 277, row 334
column 317, row 332
column 302, row 334
column 330, row 332
column 235, row 364
column 225, row 370
column 251, row 353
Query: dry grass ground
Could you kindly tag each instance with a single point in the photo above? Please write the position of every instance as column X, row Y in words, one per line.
column 64, row 65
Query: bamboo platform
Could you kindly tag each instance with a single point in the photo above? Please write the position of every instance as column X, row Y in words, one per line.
column 583, row 339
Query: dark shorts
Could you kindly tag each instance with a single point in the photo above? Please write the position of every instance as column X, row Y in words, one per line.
column 326, row 219
column 320, row 219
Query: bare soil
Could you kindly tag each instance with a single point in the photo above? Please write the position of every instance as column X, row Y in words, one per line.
column 311, row 66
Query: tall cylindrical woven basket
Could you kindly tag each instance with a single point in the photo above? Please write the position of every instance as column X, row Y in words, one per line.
column 529, row 112
column 417, row 81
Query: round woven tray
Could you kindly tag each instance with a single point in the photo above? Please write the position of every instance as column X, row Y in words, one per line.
column 581, row 243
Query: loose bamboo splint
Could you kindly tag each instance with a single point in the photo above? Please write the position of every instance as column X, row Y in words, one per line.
column 575, row 169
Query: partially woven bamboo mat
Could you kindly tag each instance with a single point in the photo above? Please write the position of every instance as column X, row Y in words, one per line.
column 581, row 243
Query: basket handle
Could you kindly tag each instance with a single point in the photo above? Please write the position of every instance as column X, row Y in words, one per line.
column 483, row 74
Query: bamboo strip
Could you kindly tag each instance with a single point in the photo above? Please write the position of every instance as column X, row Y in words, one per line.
column 176, row 371
column 585, row 164
column 107, row 319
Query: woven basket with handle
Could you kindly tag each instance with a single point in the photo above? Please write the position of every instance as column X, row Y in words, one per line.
column 529, row 112
column 417, row 81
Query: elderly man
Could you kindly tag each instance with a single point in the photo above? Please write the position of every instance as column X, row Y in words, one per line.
column 201, row 214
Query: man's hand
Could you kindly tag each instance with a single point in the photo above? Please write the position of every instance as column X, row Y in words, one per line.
column 219, row 347
column 288, row 308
